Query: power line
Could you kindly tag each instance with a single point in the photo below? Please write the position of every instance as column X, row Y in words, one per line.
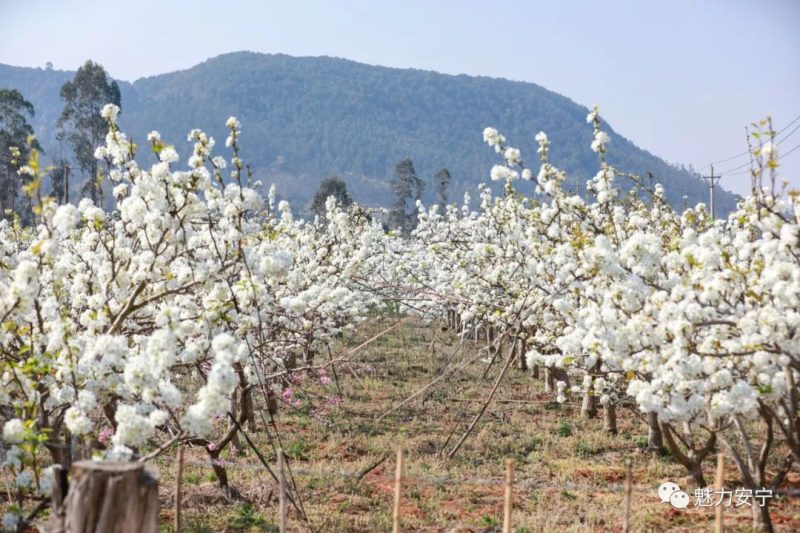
column 727, row 172
column 786, row 127
column 731, row 158
column 731, row 171
column 788, row 135
column 780, row 156
column 747, row 152
column 790, row 151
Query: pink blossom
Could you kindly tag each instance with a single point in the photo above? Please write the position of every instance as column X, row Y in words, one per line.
column 104, row 437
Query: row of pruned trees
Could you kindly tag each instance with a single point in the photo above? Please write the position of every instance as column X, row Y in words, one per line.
column 625, row 302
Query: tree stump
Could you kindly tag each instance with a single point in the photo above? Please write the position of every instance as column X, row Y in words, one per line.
column 107, row 496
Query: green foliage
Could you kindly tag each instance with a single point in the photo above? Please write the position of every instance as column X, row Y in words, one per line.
column 332, row 186
column 564, row 429
column 191, row 479
column 298, row 449
column 248, row 518
column 15, row 133
column 489, row 520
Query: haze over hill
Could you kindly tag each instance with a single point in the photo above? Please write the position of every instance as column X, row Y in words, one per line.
column 310, row 117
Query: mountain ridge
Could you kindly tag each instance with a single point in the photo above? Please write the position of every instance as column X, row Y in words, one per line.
column 305, row 118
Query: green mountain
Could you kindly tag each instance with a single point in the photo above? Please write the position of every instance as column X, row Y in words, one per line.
column 310, row 117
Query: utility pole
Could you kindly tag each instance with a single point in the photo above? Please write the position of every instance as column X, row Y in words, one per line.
column 712, row 183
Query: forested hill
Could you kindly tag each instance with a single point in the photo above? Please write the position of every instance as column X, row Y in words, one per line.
column 307, row 118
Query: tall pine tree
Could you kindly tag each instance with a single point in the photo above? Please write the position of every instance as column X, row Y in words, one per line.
column 14, row 133
column 407, row 189
column 80, row 123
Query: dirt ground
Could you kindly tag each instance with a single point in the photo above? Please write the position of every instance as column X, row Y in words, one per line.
column 569, row 472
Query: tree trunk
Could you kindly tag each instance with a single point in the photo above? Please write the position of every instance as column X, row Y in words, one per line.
column 523, row 361
column 589, row 405
column 290, row 361
column 106, row 496
column 236, row 401
column 272, row 402
column 247, row 407
column 59, row 449
column 655, row 441
column 219, row 470
column 561, row 374
column 549, row 381
column 610, row 419
column 762, row 523
column 65, row 199
column 692, row 459
column 308, row 358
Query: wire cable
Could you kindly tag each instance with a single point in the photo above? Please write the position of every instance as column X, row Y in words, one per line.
column 746, row 152
column 780, row 157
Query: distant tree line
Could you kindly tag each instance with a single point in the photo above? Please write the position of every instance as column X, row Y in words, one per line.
column 406, row 186
column 80, row 126
column 308, row 118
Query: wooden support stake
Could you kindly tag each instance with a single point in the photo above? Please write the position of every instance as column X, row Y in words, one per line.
column 509, row 497
column 282, row 491
column 398, row 484
column 178, row 490
column 718, row 485
column 626, row 524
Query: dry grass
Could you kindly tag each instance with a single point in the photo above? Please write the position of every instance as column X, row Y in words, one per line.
column 569, row 472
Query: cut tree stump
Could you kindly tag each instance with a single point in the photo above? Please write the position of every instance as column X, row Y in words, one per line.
column 106, row 496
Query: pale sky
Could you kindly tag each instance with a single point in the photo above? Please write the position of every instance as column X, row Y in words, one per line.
column 680, row 78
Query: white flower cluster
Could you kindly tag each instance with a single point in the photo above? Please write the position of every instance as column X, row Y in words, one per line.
column 153, row 318
column 696, row 321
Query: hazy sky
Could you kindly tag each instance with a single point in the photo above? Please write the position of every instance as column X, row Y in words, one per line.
column 680, row 78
